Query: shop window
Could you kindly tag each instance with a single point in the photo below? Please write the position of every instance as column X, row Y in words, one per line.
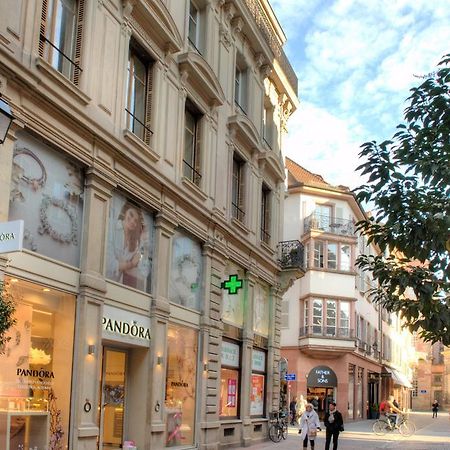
column 130, row 244
column 233, row 304
column 182, row 360
column 139, row 92
column 186, row 273
column 47, row 193
column 61, row 34
column 261, row 310
column 36, row 369
column 257, row 394
column 230, row 380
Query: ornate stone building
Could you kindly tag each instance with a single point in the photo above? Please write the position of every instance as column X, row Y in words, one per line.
column 145, row 161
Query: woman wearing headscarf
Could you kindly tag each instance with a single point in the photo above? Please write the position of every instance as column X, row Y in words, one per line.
column 309, row 423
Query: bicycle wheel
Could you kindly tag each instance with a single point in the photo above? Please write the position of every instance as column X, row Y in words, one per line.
column 284, row 430
column 407, row 428
column 275, row 433
column 380, row 428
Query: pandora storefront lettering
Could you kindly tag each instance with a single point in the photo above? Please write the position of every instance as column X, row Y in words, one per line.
column 125, row 328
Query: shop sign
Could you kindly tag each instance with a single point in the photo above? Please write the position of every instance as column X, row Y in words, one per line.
column 11, row 236
column 125, row 326
column 230, row 354
column 322, row 376
column 423, row 391
column 258, row 361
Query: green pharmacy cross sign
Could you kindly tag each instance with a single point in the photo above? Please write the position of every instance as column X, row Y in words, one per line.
column 233, row 284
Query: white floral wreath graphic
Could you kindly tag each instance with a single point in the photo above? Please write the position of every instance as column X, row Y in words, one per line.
column 45, row 226
column 35, row 182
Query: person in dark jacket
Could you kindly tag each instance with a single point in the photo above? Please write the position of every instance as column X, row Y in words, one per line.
column 334, row 424
column 435, row 408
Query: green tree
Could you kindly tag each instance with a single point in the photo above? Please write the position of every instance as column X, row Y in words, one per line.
column 7, row 310
column 409, row 186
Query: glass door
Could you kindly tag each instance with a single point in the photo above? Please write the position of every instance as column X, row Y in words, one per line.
column 112, row 399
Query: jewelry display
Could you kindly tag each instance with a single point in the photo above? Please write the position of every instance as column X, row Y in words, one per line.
column 45, row 226
column 34, row 182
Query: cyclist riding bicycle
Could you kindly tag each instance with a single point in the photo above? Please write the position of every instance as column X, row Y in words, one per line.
column 390, row 411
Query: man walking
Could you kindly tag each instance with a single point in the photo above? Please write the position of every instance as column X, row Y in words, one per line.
column 334, row 424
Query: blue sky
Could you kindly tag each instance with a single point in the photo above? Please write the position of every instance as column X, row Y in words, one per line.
column 356, row 61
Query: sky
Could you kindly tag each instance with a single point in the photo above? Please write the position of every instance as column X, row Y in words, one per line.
column 356, row 61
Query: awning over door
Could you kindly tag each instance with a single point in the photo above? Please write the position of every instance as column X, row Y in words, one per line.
column 398, row 378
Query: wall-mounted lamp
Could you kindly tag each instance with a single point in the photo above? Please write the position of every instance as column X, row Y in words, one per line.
column 91, row 349
column 205, row 366
column 6, row 119
column 159, row 360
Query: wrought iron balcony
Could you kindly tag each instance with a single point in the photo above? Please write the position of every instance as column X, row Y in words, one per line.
column 328, row 224
column 327, row 332
column 265, row 27
column 291, row 255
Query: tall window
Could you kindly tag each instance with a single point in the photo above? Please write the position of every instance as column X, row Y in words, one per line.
column 306, row 315
column 192, row 135
column 237, row 189
column 317, row 316
column 331, row 318
column 344, row 319
column 332, row 256
column 319, row 254
column 265, row 214
column 230, row 379
column 268, row 126
column 323, row 216
column 139, row 93
column 194, row 26
column 60, row 36
column 345, row 258
column 240, row 89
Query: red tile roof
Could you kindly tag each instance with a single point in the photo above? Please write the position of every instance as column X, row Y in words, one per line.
column 301, row 175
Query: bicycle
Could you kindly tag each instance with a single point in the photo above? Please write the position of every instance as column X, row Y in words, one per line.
column 279, row 427
column 384, row 425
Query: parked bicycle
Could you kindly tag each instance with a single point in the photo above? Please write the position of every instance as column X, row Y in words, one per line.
column 278, row 425
column 387, row 424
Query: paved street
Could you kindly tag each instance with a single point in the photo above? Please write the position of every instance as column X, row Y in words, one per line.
column 431, row 434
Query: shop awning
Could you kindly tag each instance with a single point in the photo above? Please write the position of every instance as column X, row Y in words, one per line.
column 398, row 377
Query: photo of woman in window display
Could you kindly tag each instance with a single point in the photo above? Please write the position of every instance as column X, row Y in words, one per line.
column 129, row 244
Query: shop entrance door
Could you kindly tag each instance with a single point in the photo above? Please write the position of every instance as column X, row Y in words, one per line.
column 323, row 396
column 112, row 411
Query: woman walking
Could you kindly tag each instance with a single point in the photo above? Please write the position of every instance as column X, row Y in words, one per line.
column 309, row 423
column 334, row 424
column 435, row 408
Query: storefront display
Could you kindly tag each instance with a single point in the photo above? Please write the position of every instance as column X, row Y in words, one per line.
column 182, row 359
column 261, row 310
column 229, row 390
column 257, row 393
column 186, row 272
column 36, row 366
column 47, row 193
column 233, row 304
column 130, row 244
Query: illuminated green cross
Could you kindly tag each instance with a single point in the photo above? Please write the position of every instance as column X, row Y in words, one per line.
column 232, row 284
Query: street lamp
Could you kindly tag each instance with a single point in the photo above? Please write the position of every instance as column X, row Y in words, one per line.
column 6, row 119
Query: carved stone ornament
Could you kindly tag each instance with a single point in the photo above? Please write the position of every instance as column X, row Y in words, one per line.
column 237, row 24
column 225, row 37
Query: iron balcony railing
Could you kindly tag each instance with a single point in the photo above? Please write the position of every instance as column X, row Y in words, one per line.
column 191, row 173
column 327, row 332
column 329, row 224
column 264, row 26
column 237, row 212
column 291, row 255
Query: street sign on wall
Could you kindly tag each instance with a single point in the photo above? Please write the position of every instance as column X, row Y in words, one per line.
column 290, row 377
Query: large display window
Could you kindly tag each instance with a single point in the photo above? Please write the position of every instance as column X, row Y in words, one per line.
column 261, row 310
column 230, row 380
column 186, row 272
column 257, row 393
column 233, row 304
column 130, row 244
column 182, row 358
column 47, row 193
column 36, row 368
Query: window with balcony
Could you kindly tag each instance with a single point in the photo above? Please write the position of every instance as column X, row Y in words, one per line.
column 60, row 36
column 238, row 188
column 195, row 27
column 265, row 213
column 192, row 144
column 240, row 86
column 139, row 92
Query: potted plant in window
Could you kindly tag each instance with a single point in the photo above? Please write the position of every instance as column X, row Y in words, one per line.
column 7, row 320
column 374, row 411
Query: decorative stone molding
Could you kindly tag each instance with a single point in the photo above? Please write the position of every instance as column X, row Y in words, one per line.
column 230, row 11
column 266, row 70
column 237, row 24
column 3, row 84
column 259, row 60
column 225, row 37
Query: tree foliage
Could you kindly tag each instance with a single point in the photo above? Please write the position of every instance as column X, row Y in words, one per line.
column 7, row 310
column 409, row 185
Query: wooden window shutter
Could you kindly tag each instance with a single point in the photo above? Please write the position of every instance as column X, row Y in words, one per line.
column 148, row 104
column 43, row 28
column 78, row 40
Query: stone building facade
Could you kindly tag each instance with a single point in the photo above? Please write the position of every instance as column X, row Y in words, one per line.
column 145, row 161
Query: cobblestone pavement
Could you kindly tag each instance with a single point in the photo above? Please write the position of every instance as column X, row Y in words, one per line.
column 431, row 434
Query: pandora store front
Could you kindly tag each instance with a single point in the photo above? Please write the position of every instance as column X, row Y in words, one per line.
column 36, row 367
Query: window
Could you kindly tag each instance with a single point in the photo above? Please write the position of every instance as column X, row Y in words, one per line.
column 437, row 379
column 345, row 258
column 415, row 389
column 265, row 214
column 344, row 319
column 307, row 264
column 194, row 26
column 306, row 315
column 192, row 139
column 323, row 217
column 139, row 92
column 240, row 89
column 229, row 379
column 317, row 316
column 257, row 397
column 268, row 126
column 60, row 36
column 331, row 318
column 318, row 254
column 237, row 193
column 331, row 256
